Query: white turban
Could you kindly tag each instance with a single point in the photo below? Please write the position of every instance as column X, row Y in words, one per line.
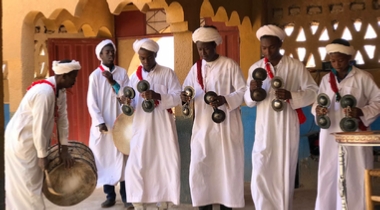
column 100, row 46
column 63, row 68
column 147, row 44
column 334, row 47
column 207, row 34
column 271, row 30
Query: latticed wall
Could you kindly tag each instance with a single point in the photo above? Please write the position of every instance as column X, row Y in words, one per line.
column 41, row 57
column 311, row 25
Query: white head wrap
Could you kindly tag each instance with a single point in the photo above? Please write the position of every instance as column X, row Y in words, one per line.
column 207, row 34
column 271, row 30
column 147, row 44
column 335, row 47
column 100, row 46
column 63, row 68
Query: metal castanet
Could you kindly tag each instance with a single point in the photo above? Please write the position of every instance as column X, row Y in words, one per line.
column 259, row 74
column 323, row 121
column 277, row 104
column 147, row 105
column 186, row 110
column 218, row 115
column 128, row 93
column 348, row 123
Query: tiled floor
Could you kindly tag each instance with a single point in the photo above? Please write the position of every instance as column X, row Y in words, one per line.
column 303, row 200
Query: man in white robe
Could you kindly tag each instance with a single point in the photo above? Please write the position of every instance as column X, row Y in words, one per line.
column 104, row 107
column 358, row 83
column 275, row 151
column 28, row 133
column 217, row 149
column 152, row 173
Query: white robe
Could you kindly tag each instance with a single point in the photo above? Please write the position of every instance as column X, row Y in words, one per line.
column 359, row 84
column 217, row 150
column 153, row 168
column 104, row 107
column 27, row 138
column 275, row 151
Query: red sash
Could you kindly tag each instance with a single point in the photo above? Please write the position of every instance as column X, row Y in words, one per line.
column 300, row 114
column 101, row 68
column 334, row 87
column 41, row 82
column 139, row 75
column 199, row 74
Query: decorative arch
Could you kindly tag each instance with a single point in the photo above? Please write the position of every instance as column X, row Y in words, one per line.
column 174, row 13
column 70, row 26
column 87, row 30
column 104, row 32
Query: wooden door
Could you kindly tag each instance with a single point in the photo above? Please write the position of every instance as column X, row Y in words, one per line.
column 82, row 50
column 230, row 46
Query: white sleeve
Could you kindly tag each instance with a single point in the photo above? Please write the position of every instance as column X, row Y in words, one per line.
column 42, row 112
column 93, row 102
column 63, row 122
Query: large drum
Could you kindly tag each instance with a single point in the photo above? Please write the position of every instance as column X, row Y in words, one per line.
column 71, row 185
column 122, row 133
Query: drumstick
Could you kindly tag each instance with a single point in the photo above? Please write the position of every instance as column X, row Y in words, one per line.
column 49, row 186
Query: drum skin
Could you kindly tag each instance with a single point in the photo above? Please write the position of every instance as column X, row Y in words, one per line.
column 74, row 184
column 122, row 133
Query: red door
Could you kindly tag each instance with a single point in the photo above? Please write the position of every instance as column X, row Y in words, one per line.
column 230, row 46
column 82, row 50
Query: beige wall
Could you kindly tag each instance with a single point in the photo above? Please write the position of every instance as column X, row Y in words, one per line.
column 19, row 20
column 97, row 20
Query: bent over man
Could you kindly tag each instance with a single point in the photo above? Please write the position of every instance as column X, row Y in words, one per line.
column 27, row 136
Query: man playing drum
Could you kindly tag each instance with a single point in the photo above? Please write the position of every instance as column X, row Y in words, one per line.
column 217, row 147
column 275, row 152
column 103, row 106
column 152, row 174
column 344, row 79
column 27, row 136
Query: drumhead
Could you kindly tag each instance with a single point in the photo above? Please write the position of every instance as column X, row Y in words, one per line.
column 122, row 133
column 74, row 184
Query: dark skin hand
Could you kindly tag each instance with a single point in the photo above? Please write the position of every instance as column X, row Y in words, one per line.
column 43, row 163
column 65, row 158
column 108, row 76
column 253, row 85
column 283, row 94
column 102, row 128
column 320, row 110
column 218, row 101
column 355, row 112
column 184, row 97
column 125, row 100
column 150, row 94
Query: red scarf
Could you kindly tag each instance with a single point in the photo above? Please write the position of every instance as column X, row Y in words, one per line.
column 51, row 84
column 41, row 82
column 301, row 115
column 139, row 75
column 334, row 87
column 101, row 68
column 199, row 74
